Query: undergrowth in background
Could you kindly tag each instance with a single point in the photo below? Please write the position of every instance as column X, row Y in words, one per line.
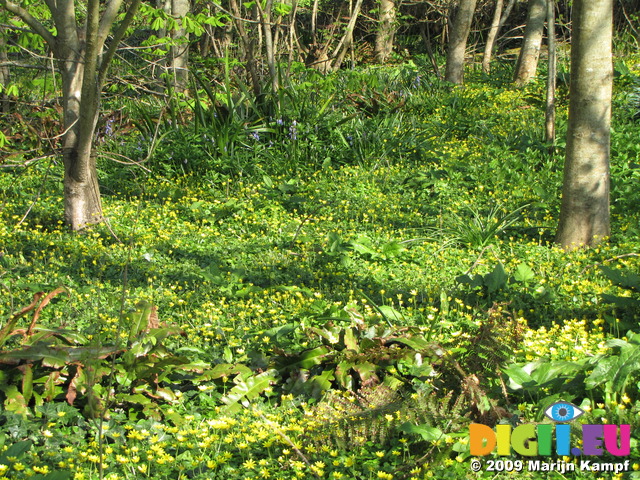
column 332, row 283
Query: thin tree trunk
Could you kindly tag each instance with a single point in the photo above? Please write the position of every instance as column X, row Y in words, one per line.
column 248, row 50
column 179, row 52
column 291, row 43
column 584, row 215
column 550, row 111
column 265, row 19
column 527, row 63
column 347, row 39
column 458, row 36
column 386, row 30
column 4, row 71
column 491, row 37
column 426, row 38
column 314, row 21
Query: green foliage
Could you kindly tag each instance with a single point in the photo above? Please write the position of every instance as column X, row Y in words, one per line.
column 340, row 296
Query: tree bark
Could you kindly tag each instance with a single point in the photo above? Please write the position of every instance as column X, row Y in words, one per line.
column 491, row 37
column 386, row 30
column 248, row 49
column 4, row 71
column 550, row 110
column 527, row 63
column 179, row 52
column 493, row 33
column 347, row 39
column 458, row 36
column 584, row 215
column 265, row 20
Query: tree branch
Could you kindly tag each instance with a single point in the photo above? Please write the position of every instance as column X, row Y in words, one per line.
column 117, row 37
column 108, row 17
column 30, row 20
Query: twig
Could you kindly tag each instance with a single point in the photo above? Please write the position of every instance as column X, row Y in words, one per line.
column 475, row 264
column 624, row 255
column 289, row 441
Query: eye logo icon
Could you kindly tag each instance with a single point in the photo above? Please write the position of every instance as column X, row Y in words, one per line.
column 563, row 412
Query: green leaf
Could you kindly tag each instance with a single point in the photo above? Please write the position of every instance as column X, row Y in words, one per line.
column 16, row 450
column 57, row 475
column 623, row 279
column 367, row 372
column 321, row 383
column 603, row 372
column 523, row 273
column 307, row 359
column 27, row 382
column 518, row 377
column 496, row 279
column 390, row 314
column 392, row 249
column 225, row 370
column 428, row 434
column 350, row 340
column 247, row 390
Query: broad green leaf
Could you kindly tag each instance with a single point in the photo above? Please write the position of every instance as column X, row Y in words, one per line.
column 392, row 249
column 518, row 377
column 523, row 273
column 321, row 383
column 307, row 359
column 350, row 340
column 390, row 314
column 428, row 434
column 621, row 278
column 550, row 371
column 604, row 371
column 496, row 279
column 16, row 450
column 247, row 390
column 343, row 374
column 366, row 371
column 27, row 382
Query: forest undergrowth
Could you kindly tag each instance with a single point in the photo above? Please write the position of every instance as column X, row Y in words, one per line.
column 331, row 284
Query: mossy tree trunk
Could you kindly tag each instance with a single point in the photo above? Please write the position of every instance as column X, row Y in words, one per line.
column 386, row 30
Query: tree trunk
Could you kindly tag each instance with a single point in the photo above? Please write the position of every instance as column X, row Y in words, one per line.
column 386, row 30
column 550, row 111
column 527, row 63
column 491, row 37
column 584, row 216
column 458, row 35
column 82, row 204
column 493, row 32
column 426, row 38
column 248, row 49
column 270, row 45
column 4, row 71
column 347, row 39
column 179, row 52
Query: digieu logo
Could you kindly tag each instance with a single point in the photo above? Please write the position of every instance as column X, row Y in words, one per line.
column 545, row 439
